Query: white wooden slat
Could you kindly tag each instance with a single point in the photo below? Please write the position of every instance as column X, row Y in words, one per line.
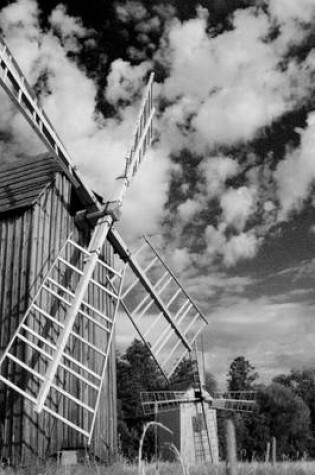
column 87, row 343
column 80, row 365
column 72, row 398
column 66, row 421
column 39, row 337
column 47, row 315
column 34, row 346
column 18, row 389
column 25, row 366
column 79, row 376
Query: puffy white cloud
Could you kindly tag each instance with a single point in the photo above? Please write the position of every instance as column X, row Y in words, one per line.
column 124, row 80
column 232, row 249
column 19, row 22
column 286, row 10
column 215, row 240
column 296, row 173
column 192, row 65
column 238, row 205
column 216, row 170
column 224, row 88
column 131, row 10
column 143, row 208
column 232, row 115
column 69, row 28
column 241, row 246
column 180, row 259
column 188, row 208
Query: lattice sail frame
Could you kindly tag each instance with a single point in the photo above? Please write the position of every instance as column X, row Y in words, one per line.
column 78, row 380
column 170, row 329
column 165, row 401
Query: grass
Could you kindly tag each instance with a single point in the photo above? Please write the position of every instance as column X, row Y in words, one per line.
column 255, row 468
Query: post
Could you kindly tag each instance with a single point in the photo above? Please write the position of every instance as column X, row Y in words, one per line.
column 156, row 436
column 274, row 450
column 267, row 455
column 230, row 447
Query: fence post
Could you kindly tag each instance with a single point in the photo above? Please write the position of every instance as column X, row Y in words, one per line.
column 230, row 447
column 267, row 455
column 274, row 450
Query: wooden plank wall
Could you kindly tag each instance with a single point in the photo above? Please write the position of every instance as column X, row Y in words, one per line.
column 15, row 264
column 29, row 243
column 105, row 445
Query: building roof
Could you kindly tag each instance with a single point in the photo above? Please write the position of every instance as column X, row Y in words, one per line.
column 22, row 181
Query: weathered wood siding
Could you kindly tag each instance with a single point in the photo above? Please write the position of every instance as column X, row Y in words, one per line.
column 29, row 242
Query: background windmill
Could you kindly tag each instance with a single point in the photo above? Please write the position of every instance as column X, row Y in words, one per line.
column 191, row 416
column 56, row 358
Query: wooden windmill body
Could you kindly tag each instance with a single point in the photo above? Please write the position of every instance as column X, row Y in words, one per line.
column 37, row 210
column 60, row 289
column 189, row 434
column 191, row 417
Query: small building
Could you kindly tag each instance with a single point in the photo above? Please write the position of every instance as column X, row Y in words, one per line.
column 38, row 205
column 189, row 433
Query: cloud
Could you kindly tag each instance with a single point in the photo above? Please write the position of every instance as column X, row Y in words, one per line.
column 144, row 205
column 131, row 11
column 290, row 10
column 227, row 86
column 180, row 260
column 221, row 91
column 238, row 205
column 188, row 209
column 216, row 170
column 212, row 286
column 242, row 246
column 215, row 240
column 232, row 249
column 295, row 174
column 124, row 81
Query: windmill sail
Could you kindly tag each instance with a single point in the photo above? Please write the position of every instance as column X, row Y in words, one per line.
column 236, row 401
column 164, row 315
column 164, row 400
column 80, row 372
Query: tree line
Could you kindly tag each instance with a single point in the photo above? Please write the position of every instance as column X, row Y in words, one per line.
column 285, row 407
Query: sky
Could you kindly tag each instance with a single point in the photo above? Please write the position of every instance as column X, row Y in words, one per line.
column 227, row 187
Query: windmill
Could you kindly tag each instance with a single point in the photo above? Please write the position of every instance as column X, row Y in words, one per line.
column 191, row 415
column 61, row 346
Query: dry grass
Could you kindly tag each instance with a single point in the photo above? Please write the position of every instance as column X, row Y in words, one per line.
column 287, row 468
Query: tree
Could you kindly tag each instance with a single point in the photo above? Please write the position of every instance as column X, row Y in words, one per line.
column 241, row 375
column 287, row 417
column 136, row 372
column 184, row 375
column 302, row 383
column 279, row 413
column 210, row 383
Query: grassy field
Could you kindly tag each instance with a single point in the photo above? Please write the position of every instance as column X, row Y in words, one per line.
column 287, row 468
